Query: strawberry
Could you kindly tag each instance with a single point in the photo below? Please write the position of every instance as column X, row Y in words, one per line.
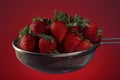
column 71, row 41
column 59, row 30
column 84, row 45
column 27, row 42
column 25, row 30
column 37, row 26
column 97, row 39
column 47, row 44
column 90, row 31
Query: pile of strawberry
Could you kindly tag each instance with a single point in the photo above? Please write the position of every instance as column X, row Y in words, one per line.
column 63, row 34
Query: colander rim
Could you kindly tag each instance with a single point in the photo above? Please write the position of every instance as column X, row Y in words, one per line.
column 15, row 41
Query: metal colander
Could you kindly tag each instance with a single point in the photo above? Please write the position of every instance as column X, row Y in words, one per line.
column 58, row 63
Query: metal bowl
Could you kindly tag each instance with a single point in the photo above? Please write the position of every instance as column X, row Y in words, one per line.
column 55, row 63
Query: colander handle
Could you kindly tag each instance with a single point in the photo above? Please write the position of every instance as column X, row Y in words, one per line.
column 110, row 41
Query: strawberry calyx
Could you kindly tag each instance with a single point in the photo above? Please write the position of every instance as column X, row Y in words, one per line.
column 24, row 31
column 70, row 21
column 80, row 21
column 47, row 21
column 99, row 32
column 47, row 37
column 64, row 17
column 37, row 19
column 60, row 16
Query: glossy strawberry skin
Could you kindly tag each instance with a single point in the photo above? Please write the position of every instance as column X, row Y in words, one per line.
column 71, row 41
column 46, row 46
column 84, row 45
column 59, row 30
column 90, row 31
column 38, row 27
column 27, row 42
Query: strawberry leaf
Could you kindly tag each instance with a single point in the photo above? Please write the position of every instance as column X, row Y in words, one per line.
column 99, row 31
column 84, row 23
column 67, row 19
column 47, row 37
column 37, row 19
column 69, row 25
column 29, row 31
column 60, row 16
column 77, row 18
column 56, row 52
column 80, row 21
column 48, row 21
column 24, row 31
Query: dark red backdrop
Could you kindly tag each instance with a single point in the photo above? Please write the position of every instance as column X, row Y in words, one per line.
column 15, row 14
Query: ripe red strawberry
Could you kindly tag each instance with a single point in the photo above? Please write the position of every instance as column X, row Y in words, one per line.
column 59, row 30
column 27, row 42
column 84, row 45
column 97, row 39
column 37, row 26
column 71, row 41
column 90, row 31
column 47, row 44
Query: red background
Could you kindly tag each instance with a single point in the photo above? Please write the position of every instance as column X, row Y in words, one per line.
column 15, row 14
